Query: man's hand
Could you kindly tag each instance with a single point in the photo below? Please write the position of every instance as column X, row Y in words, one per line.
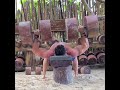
column 36, row 35
column 83, row 30
column 37, row 32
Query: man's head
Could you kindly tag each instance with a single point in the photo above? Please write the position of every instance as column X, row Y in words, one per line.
column 60, row 50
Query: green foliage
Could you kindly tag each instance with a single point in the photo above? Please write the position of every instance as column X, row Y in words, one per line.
column 23, row 1
column 70, row 2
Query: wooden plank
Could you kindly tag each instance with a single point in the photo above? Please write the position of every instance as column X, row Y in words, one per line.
column 58, row 25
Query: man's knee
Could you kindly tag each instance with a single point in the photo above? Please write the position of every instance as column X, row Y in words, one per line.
column 45, row 61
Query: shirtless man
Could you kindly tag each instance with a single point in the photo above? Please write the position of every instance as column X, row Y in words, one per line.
column 76, row 51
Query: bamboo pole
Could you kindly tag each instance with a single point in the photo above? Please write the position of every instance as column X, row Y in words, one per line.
column 24, row 13
column 87, row 7
column 55, row 9
column 66, row 8
column 16, row 10
column 44, row 9
column 39, row 10
column 82, row 14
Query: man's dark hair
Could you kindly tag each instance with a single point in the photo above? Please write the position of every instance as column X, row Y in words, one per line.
column 60, row 50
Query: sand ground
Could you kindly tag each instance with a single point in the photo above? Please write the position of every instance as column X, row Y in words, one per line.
column 93, row 81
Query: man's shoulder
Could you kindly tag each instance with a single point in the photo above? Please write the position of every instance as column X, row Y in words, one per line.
column 73, row 52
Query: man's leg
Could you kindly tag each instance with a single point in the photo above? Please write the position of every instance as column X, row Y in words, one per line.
column 45, row 66
column 75, row 66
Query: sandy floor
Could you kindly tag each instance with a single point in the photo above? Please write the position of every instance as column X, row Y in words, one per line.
column 93, row 81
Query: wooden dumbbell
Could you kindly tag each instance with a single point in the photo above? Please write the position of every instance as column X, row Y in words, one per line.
column 71, row 29
column 82, row 60
column 84, row 70
column 101, row 39
column 28, row 70
column 25, row 33
column 92, row 60
column 79, row 69
column 19, row 64
column 100, row 57
column 45, row 30
column 91, row 24
column 38, row 70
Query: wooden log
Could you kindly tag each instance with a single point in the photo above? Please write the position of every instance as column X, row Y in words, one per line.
column 62, row 69
column 63, row 75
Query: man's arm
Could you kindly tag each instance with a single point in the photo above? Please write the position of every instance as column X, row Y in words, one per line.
column 42, row 52
column 83, row 44
column 81, row 47
column 36, row 50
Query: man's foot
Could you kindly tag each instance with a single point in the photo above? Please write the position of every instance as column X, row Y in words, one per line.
column 44, row 77
column 76, row 75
